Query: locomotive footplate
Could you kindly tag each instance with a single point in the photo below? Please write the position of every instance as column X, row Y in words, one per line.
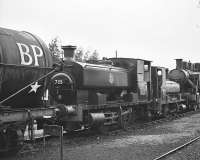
column 115, row 105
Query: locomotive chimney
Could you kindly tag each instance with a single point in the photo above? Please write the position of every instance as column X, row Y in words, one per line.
column 179, row 63
column 68, row 51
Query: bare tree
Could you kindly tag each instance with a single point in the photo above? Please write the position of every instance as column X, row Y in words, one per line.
column 83, row 56
column 55, row 47
column 80, row 54
column 94, row 56
column 86, row 56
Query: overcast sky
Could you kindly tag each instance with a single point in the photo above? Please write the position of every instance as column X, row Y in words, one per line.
column 157, row 30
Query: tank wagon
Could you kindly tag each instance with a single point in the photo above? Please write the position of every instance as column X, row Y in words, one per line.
column 80, row 95
column 24, row 58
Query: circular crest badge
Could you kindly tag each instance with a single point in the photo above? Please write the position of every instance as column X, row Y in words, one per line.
column 111, row 78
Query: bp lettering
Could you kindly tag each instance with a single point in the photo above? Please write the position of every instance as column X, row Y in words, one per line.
column 35, row 48
column 25, row 53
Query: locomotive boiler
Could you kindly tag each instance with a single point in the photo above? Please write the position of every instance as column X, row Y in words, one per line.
column 24, row 58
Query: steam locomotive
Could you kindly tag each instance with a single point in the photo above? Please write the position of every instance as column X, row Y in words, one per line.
column 33, row 88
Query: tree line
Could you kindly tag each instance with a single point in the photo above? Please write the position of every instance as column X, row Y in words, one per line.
column 80, row 54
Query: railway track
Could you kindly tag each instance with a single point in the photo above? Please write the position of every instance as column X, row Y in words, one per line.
column 177, row 148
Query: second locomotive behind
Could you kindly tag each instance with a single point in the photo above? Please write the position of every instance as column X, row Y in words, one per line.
column 188, row 76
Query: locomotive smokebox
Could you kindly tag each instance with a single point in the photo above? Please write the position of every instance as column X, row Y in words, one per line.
column 179, row 75
column 69, row 51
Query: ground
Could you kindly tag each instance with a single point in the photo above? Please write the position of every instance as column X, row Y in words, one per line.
column 140, row 144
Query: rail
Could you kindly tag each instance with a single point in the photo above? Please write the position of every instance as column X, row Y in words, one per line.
column 176, row 149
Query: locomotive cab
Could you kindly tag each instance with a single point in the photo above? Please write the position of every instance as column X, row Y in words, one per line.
column 139, row 76
column 166, row 93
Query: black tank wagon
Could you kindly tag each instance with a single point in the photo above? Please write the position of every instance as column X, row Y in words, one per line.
column 24, row 58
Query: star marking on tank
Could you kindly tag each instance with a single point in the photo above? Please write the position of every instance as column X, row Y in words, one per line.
column 34, row 87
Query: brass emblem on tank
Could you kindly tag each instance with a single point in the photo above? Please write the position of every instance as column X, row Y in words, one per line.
column 111, row 78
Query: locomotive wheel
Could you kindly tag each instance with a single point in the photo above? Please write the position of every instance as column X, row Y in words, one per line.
column 125, row 121
column 149, row 115
column 194, row 107
column 165, row 110
column 102, row 129
column 198, row 106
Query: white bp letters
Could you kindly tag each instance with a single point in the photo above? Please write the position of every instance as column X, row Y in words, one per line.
column 26, row 58
column 35, row 53
column 24, row 51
